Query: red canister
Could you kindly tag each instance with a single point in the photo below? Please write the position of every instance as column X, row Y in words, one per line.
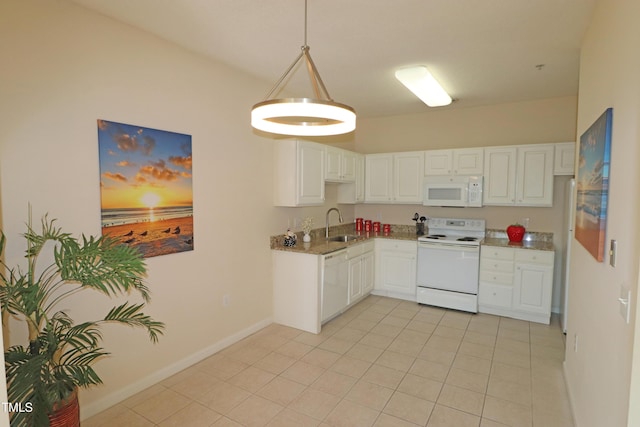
column 376, row 227
column 367, row 225
column 386, row 229
column 359, row 224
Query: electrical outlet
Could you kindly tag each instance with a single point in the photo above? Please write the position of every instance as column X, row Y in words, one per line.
column 575, row 343
column 226, row 300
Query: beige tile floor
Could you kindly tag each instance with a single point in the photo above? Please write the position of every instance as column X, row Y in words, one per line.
column 385, row 362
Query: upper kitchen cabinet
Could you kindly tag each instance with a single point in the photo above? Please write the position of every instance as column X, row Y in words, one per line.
column 394, row 177
column 340, row 165
column 564, row 159
column 353, row 192
column 299, row 173
column 462, row 161
column 519, row 175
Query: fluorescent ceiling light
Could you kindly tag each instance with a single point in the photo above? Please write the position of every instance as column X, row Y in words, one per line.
column 420, row 81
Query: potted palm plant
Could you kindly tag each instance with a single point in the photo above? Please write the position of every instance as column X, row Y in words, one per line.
column 45, row 372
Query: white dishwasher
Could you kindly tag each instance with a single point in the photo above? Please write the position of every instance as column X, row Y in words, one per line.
column 335, row 278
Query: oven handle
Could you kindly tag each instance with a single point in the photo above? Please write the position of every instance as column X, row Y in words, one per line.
column 448, row 246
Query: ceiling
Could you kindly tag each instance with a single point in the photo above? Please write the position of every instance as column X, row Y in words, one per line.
column 483, row 52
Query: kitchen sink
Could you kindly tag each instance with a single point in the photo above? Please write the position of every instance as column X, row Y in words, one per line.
column 343, row 238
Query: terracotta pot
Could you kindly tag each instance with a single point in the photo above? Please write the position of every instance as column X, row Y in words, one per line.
column 66, row 413
column 515, row 233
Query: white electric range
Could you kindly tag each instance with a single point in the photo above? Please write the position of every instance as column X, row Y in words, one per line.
column 449, row 263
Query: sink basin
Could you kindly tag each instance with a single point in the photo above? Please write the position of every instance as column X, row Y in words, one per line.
column 343, row 238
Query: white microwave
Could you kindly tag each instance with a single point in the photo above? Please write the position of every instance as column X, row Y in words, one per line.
column 453, row 190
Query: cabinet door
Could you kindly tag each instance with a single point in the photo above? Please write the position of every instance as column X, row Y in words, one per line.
column 333, row 170
column 468, row 161
column 408, row 174
column 438, row 162
column 348, row 166
column 310, row 174
column 353, row 192
column 378, row 178
column 499, row 176
column 534, row 179
column 355, row 279
column 564, row 158
column 368, row 270
column 397, row 267
column 532, row 290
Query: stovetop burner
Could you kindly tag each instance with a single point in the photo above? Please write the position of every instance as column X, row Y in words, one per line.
column 452, row 231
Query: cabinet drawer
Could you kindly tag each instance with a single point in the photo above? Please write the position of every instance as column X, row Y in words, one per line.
column 529, row 256
column 496, row 265
column 495, row 295
column 359, row 249
column 496, row 277
column 497, row 253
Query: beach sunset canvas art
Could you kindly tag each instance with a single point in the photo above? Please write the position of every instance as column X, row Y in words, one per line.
column 593, row 185
column 146, row 187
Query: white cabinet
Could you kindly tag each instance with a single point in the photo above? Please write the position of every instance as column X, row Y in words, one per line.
column 340, row 165
column 533, row 283
column 298, row 173
column 394, row 177
column 519, row 175
column 297, row 290
column 499, row 176
column 396, row 268
column 462, row 161
column 353, row 192
column 564, row 158
column 516, row 283
column 361, row 270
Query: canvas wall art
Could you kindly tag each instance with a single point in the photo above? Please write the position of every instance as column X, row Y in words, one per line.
column 146, row 187
column 592, row 185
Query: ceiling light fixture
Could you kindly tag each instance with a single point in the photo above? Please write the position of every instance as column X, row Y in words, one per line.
column 420, row 81
column 319, row 116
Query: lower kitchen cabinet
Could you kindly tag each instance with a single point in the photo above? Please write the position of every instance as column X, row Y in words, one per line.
column 297, row 290
column 516, row 283
column 361, row 270
column 310, row 289
column 396, row 268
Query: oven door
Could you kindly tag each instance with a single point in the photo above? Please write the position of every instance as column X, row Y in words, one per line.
column 448, row 266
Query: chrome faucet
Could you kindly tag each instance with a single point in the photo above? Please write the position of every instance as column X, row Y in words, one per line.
column 326, row 230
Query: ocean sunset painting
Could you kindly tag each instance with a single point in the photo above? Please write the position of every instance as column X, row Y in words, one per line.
column 146, row 188
column 592, row 185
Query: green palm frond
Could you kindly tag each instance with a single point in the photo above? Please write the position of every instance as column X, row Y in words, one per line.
column 131, row 314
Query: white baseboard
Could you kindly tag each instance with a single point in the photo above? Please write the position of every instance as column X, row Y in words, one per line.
column 164, row 373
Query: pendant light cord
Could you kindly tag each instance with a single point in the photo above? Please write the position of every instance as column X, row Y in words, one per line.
column 305, row 22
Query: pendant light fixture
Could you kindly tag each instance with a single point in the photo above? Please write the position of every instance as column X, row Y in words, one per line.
column 319, row 116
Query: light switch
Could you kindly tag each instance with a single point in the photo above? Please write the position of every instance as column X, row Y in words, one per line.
column 625, row 303
column 613, row 252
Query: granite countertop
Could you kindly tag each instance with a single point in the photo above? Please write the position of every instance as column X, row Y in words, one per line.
column 532, row 240
column 320, row 246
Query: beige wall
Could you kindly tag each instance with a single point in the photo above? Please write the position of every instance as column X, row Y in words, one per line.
column 63, row 68
column 599, row 372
